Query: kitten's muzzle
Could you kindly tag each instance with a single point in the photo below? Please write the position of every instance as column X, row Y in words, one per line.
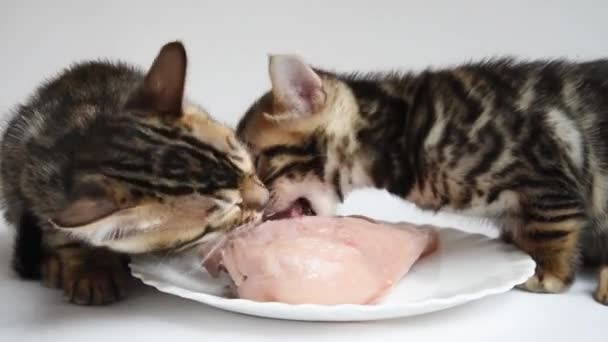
column 254, row 193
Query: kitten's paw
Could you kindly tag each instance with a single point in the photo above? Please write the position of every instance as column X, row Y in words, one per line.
column 545, row 283
column 601, row 293
column 87, row 277
column 95, row 286
column 50, row 271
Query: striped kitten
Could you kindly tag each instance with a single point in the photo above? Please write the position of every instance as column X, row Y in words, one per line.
column 106, row 158
column 523, row 143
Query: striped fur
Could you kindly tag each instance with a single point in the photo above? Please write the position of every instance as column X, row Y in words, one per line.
column 521, row 143
column 104, row 155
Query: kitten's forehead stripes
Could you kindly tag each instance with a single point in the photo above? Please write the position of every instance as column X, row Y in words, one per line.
column 157, row 136
column 309, row 159
column 309, row 149
column 234, row 147
column 314, row 165
column 177, row 135
column 165, row 161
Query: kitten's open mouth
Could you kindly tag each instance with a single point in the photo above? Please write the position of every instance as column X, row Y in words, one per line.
column 301, row 207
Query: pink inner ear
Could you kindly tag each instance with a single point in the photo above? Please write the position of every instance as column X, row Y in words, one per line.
column 295, row 85
column 84, row 211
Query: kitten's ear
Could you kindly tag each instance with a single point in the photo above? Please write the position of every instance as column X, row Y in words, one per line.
column 162, row 90
column 89, row 202
column 295, row 85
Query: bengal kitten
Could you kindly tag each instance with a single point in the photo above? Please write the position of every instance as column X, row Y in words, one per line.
column 105, row 160
column 522, row 143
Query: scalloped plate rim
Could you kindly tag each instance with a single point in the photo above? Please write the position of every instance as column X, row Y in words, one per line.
column 522, row 270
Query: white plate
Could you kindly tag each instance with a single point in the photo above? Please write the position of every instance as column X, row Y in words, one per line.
column 466, row 267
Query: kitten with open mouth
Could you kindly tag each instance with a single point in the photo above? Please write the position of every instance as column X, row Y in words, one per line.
column 301, row 207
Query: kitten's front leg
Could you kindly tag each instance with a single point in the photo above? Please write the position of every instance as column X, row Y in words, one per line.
column 552, row 241
column 601, row 293
column 87, row 275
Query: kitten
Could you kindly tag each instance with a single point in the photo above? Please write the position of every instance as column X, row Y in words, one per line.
column 522, row 143
column 106, row 159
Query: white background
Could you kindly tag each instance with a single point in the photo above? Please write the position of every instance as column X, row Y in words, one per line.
column 228, row 43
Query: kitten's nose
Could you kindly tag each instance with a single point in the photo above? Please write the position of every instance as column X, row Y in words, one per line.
column 255, row 195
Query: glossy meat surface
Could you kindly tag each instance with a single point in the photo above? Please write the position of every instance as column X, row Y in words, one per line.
column 321, row 260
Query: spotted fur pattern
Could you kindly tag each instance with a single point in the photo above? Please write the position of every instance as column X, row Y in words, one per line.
column 105, row 157
column 521, row 143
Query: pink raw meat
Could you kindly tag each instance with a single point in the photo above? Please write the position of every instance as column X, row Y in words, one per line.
column 320, row 260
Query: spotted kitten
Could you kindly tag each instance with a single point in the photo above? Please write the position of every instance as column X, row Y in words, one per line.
column 106, row 159
column 522, row 143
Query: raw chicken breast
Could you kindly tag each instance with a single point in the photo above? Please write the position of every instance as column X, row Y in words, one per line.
column 320, row 260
